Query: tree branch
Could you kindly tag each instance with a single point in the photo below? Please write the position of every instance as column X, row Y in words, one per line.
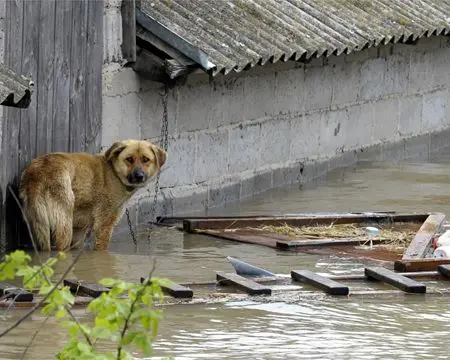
column 133, row 304
column 35, row 307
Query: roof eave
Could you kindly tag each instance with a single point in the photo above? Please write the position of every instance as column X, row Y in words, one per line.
column 15, row 90
column 182, row 45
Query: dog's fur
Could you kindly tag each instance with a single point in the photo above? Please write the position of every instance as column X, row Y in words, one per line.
column 67, row 195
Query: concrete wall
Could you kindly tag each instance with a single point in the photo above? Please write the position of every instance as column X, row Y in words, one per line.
column 282, row 123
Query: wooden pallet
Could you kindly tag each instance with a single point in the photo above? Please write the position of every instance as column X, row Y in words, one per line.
column 245, row 229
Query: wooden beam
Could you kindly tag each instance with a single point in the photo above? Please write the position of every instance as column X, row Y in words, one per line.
column 129, row 30
column 249, row 286
column 150, row 66
column 191, row 225
column 399, row 281
column 81, row 287
column 422, row 241
column 175, row 290
column 329, row 286
column 12, row 292
column 444, row 270
column 410, row 265
column 293, row 244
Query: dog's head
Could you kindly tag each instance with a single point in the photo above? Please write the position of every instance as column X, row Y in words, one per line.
column 135, row 162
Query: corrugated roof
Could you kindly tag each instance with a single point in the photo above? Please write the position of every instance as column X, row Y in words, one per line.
column 15, row 90
column 238, row 34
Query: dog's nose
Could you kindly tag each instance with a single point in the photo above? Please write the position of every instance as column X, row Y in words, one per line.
column 139, row 175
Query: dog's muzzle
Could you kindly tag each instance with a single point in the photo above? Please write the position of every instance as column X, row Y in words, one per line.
column 137, row 176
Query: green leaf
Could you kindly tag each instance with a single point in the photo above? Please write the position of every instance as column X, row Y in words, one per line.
column 129, row 337
column 83, row 347
column 61, row 313
column 144, row 343
column 107, row 282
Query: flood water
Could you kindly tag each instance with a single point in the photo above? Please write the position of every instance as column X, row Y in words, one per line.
column 286, row 326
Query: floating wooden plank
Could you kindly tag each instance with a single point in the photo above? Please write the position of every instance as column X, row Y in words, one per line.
column 330, row 286
column 414, row 265
column 192, row 225
column 175, row 290
column 422, row 241
column 249, row 286
column 399, row 281
column 293, row 244
column 444, row 270
column 175, row 220
column 8, row 291
column 81, row 287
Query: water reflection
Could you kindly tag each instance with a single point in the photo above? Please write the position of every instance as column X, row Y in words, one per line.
column 409, row 327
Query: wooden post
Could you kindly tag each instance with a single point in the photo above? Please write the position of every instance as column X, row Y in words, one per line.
column 422, row 241
column 129, row 30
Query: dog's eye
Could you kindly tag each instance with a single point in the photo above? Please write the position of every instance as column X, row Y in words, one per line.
column 145, row 159
column 130, row 159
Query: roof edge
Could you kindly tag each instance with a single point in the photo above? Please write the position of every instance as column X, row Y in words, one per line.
column 177, row 42
column 15, row 90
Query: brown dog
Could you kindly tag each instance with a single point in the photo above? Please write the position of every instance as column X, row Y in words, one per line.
column 66, row 195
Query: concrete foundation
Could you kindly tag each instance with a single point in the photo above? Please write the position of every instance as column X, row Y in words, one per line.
column 232, row 137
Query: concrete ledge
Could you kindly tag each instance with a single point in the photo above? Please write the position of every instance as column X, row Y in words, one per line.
column 197, row 199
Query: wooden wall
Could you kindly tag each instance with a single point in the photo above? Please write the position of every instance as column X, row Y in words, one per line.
column 59, row 43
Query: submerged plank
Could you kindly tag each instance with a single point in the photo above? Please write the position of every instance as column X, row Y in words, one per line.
column 249, row 286
column 444, row 270
column 292, row 244
column 330, row 286
column 175, row 290
column 397, row 280
column 91, row 289
column 422, row 241
column 414, row 265
column 8, row 291
column 191, row 225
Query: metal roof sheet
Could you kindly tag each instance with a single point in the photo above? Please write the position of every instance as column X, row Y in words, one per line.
column 238, row 34
column 15, row 90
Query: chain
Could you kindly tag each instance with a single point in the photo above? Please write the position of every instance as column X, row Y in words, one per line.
column 133, row 236
column 164, row 143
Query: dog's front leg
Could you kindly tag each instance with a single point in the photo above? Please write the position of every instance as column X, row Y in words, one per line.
column 103, row 230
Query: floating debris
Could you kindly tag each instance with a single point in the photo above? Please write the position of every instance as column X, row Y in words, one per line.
column 398, row 237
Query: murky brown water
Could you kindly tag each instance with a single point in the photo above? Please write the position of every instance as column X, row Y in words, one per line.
column 402, row 327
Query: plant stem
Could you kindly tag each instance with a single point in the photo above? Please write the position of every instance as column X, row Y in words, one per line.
column 35, row 307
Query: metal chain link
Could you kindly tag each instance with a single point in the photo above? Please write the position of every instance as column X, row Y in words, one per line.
column 164, row 143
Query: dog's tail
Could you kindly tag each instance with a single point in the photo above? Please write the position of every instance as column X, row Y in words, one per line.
column 36, row 215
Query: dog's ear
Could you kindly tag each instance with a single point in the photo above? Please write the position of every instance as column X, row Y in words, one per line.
column 114, row 150
column 161, row 155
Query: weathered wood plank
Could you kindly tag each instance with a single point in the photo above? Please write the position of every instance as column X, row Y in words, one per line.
column 293, row 244
column 175, row 290
column 94, row 62
column 329, row 286
column 444, row 270
column 422, row 241
column 129, row 30
column 77, row 104
column 12, row 292
column 399, row 281
column 46, row 29
column 11, row 127
column 61, row 83
column 249, row 286
column 190, row 225
column 414, row 265
column 30, row 56
column 88, row 288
